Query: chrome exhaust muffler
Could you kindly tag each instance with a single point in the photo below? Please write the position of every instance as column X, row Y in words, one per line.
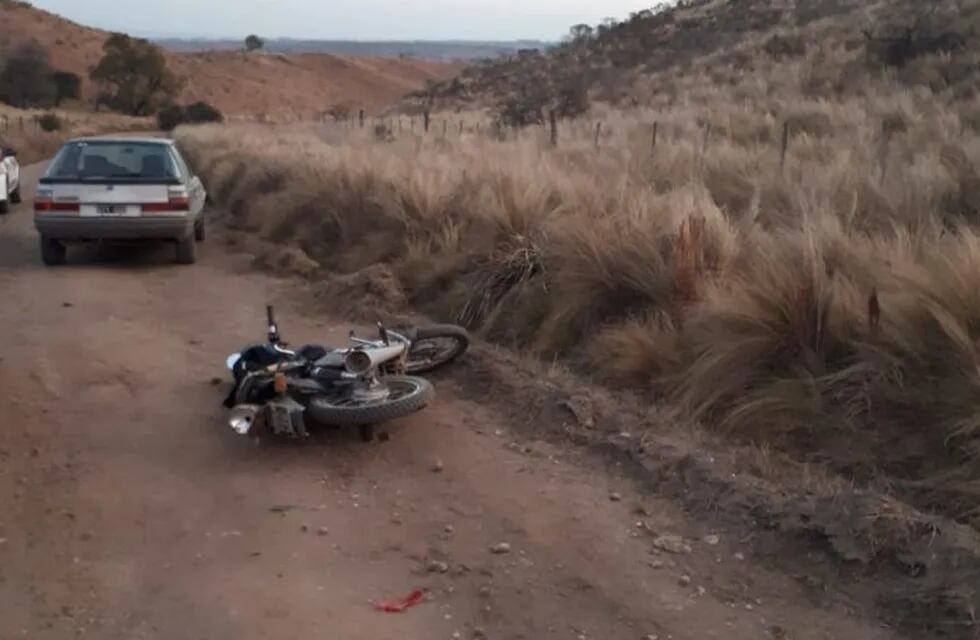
column 361, row 361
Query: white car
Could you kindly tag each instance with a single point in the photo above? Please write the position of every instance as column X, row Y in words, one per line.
column 119, row 189
column 9, row 179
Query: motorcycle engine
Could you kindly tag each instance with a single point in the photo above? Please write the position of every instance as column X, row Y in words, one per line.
column 285, row 418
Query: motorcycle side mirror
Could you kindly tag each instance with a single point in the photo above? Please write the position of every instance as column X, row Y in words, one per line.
column 384, row 334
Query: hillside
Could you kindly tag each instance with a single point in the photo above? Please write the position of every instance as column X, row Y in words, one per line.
column 278, row 85
column 643, row 60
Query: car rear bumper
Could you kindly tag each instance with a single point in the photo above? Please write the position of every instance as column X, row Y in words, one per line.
column 62, row 227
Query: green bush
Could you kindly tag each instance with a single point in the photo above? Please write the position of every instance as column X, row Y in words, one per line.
column 68, row 86
column 170, row 117
column 49, row 122
column 173, row 115
column 25, row 79
column 202, row 112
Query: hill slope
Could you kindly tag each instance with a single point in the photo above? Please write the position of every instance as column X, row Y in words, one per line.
column 646, row 58
column 278, row 85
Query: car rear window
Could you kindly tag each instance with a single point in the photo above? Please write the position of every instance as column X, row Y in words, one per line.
column 95, row 160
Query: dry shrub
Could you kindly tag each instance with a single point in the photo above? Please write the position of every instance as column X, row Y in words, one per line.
column 811, row 122
column 609, row 269
column 790, row 45
column 785, row 322
column 638, row 350
column 922, row 370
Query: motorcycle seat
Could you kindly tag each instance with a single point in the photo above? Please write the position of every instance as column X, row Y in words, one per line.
column 313, row 352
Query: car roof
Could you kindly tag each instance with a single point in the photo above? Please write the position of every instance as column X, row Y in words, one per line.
column 123, row 139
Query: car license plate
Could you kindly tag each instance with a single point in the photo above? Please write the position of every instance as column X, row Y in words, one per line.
column 111, row 209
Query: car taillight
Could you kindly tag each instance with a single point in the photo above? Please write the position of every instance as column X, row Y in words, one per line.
column 44, row 202
column 175, row 202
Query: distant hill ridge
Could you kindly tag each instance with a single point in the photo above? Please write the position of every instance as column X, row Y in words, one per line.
column 278, row 86
column 427, row 49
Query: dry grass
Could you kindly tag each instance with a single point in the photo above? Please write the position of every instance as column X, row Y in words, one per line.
column 828, row 306
column 19, row 129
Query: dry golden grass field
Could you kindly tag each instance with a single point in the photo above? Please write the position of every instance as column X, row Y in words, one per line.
column 20, row 129
column 824, row 302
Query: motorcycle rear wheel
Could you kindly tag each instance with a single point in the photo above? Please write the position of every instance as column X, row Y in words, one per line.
column 407, row 395
column 435, row 347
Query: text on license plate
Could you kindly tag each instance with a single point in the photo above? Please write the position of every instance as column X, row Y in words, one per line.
column 111, row 209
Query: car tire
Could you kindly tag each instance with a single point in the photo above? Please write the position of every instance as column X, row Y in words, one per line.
column 186, row 250
column 15, row 196
column 200, row 233
column 53, row 252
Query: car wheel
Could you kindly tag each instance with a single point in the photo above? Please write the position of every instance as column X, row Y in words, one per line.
column 53, row 253
column 200, row 233
column 186, row 250
column 15, row 196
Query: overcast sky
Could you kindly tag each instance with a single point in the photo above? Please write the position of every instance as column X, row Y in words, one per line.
column 346, row 19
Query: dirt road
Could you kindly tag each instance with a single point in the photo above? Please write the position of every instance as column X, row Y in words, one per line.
column 128, row 510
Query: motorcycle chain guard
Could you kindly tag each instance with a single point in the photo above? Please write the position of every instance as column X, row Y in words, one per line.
column 286, row 418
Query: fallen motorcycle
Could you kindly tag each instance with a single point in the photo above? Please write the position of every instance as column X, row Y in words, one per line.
column 373, row 381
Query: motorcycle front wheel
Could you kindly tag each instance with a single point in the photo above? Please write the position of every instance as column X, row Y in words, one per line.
column 406, row 395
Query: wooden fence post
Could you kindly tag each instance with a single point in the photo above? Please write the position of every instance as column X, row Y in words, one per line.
column 360, row 118
column 553, row 118
column 598, row 132
column 784, row 148
column 886, row 135
column 426, row 120
column 707, row 138
column 653, row 141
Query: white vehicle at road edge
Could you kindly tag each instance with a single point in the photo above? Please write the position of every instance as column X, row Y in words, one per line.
column 119, row 189
column 9, row 179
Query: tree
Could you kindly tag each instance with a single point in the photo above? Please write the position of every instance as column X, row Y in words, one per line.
column 133, row 75
column 68, row 86
column 254, row 43
column 581, row 33
column 25, row 80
